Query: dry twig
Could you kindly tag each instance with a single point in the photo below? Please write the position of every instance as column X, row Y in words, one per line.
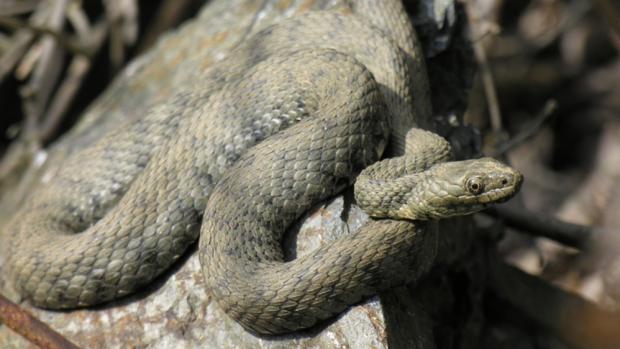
column 539, row 224
column 576, row 321
column 68, row 43
column 485, row 70
column 31, row 328
column 529, row 131
column 64, row 95
column 15, row 7
column 610, row 12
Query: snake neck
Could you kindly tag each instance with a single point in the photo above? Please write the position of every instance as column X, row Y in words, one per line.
column 398, row 187
column 402, row 197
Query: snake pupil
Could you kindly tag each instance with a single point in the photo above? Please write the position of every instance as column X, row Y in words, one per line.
column 474, row 186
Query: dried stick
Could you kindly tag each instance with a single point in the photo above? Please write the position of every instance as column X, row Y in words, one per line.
column 168, row 14
column 528, row 132
column 538, row 224
column 576, row 321
column 610, row 13
column 10, row 58
column 485, row 70
column 15, row 7
column 35, row 94
column 66, row 92
column 31, row 328
column 68, row 43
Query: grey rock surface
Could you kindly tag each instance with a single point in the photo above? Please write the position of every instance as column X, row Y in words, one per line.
column 178, row 313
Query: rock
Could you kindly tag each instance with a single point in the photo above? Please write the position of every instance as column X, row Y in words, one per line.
column 176, row 312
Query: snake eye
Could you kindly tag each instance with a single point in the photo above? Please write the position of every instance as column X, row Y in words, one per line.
column 475, row 186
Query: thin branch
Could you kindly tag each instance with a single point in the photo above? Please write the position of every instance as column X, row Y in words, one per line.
column 610, row 13
column 66, row 92
column 36, row 93
column 31, row 328
column 15, row 7
column 576, row 321
column 15, row 156
column 539, row 224
column 529, row 131
column 168, row 14
column 12, row 56
column 79, row 21
column 485, row 70
column 569, row 18
column 122, row 17
column 69, row 43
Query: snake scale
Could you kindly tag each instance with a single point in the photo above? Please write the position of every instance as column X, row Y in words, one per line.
column 290, row 118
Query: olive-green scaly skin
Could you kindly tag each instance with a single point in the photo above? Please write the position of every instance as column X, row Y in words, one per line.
column 323, row 91
column 240, row 242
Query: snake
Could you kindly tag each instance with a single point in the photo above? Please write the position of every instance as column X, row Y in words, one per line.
column 294, row 115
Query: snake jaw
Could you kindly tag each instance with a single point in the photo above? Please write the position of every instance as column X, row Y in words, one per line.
column 463, row 187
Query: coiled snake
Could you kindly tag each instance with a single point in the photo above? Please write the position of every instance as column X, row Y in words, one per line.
column 287, row 120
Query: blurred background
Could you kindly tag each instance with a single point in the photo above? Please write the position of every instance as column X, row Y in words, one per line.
column 547, row 98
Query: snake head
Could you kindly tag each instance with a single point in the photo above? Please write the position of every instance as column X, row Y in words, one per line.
column 464, row 187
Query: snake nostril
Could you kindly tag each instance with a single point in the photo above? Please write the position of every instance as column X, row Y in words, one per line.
column 504, row 181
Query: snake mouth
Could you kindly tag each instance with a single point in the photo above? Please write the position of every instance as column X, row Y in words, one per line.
column 471, row 204
column 499, row 195
column 502, row 194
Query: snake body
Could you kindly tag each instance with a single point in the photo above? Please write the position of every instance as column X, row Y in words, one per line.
column 289, row 119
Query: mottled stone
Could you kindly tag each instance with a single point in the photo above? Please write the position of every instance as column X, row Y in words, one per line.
column 178, row 313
